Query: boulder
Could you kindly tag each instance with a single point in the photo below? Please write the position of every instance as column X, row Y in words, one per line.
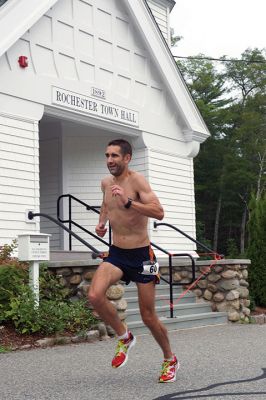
column 115, row 292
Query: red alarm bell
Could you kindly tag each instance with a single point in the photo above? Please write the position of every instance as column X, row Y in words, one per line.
column 23, row 61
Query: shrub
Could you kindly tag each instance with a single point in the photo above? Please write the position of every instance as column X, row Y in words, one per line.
column 50, row 317
column 7, row 256
column 50, row 286
column 23, row 313
column 12, row 283
column 55, row 314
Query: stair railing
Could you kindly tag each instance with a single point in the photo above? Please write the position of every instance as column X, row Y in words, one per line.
column 32, row 215
column 170, row 282
column 70, row 221
column 96, row 253
column 203, row 246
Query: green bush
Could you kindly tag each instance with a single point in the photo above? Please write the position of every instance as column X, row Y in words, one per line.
column 55, row 314
column 12, row 283
column 50, row 317
column 50, row 286
column 7, row 257
column 22, row 312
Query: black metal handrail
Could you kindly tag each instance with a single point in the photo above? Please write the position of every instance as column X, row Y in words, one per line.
column 95, row 209
column 32, row 215
column 156, row 224
column 170, row 282
column 71, row 222
column 95, row 253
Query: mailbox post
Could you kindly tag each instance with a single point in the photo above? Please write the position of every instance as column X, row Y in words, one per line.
column 34, row 247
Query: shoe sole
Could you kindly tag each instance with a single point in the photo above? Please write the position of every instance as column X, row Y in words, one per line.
column 174, row 378
column 129, row 348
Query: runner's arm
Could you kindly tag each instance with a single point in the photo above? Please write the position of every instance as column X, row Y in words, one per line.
column 103, row 217
column 149, row 204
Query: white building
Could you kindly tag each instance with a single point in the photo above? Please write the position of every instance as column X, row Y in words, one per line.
column 95, row 70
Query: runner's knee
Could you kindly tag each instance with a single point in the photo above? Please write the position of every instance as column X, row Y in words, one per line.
column 149, row 317
column 96, row 298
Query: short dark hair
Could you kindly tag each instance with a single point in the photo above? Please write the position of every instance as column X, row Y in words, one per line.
column 124, row 145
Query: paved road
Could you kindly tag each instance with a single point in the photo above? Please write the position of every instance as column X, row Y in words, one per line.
column 221, row 362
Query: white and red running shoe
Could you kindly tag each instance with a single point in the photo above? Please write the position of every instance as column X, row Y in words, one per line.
column 169, row 369
column 122, row 350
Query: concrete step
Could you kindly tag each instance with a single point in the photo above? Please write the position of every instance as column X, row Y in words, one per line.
column 65, row 255
column 182, row 322
column 162, row 296
column 164, row 311
column 160, row 300
column 132, row 291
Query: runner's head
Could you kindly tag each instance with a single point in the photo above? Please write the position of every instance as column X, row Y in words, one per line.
column 118, row 155
column 125, row 146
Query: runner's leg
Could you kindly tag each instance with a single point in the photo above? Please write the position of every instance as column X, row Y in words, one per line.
column 105, row 276
column 146, row 292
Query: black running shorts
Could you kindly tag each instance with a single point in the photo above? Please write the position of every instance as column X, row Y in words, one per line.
column 130, row 261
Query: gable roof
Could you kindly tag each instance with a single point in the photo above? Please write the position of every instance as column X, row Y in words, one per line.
column 17, row 16
column 196, row 127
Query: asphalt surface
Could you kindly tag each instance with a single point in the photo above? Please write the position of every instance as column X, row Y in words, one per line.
column 221, row 362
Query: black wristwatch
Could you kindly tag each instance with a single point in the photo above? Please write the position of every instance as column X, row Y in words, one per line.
column 129, row 202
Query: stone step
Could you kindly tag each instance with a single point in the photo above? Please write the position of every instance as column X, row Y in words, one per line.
column 164, row 311
column 182, row 322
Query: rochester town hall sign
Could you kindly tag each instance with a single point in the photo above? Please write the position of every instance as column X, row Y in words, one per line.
column 95, row 107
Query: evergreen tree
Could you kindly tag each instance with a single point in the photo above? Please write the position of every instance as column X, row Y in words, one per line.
column 231, row 163
column 257, row 249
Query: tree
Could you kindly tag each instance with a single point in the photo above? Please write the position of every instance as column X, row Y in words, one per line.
column 207, row 87
column 257, row 249
column 231, row 163
column 248, row 126
column 249, row 75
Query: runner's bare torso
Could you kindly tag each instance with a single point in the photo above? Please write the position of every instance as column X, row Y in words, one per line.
column 129, row 227
column 128, row 221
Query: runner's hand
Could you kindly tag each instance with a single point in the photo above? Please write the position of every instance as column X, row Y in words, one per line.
column 119, row 193
column 100, row 229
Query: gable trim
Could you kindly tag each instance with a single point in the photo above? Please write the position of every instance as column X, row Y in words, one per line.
column 162, row 57
column 19, row 16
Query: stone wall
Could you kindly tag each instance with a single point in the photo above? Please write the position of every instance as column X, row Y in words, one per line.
column 225, row 286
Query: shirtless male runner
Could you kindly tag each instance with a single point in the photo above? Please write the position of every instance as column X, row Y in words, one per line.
column 128, row 201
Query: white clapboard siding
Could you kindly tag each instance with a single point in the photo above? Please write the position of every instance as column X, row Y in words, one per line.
column 19, row 173
column 84, row 168
column 50, row 177
column 139, row 161
column 83, row 173
column 160, row 13
column 172, row 179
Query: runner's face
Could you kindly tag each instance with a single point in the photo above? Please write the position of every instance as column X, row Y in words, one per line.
column 116, row 162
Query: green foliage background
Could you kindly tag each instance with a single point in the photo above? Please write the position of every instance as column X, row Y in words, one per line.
column 257, row 249
column 230, row 169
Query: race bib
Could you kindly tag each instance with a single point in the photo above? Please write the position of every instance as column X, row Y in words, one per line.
column 150, row 268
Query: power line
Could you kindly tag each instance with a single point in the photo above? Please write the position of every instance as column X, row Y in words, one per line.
column 222, row 59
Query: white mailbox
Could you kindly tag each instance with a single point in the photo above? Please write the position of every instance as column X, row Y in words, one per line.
column 34, row 247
